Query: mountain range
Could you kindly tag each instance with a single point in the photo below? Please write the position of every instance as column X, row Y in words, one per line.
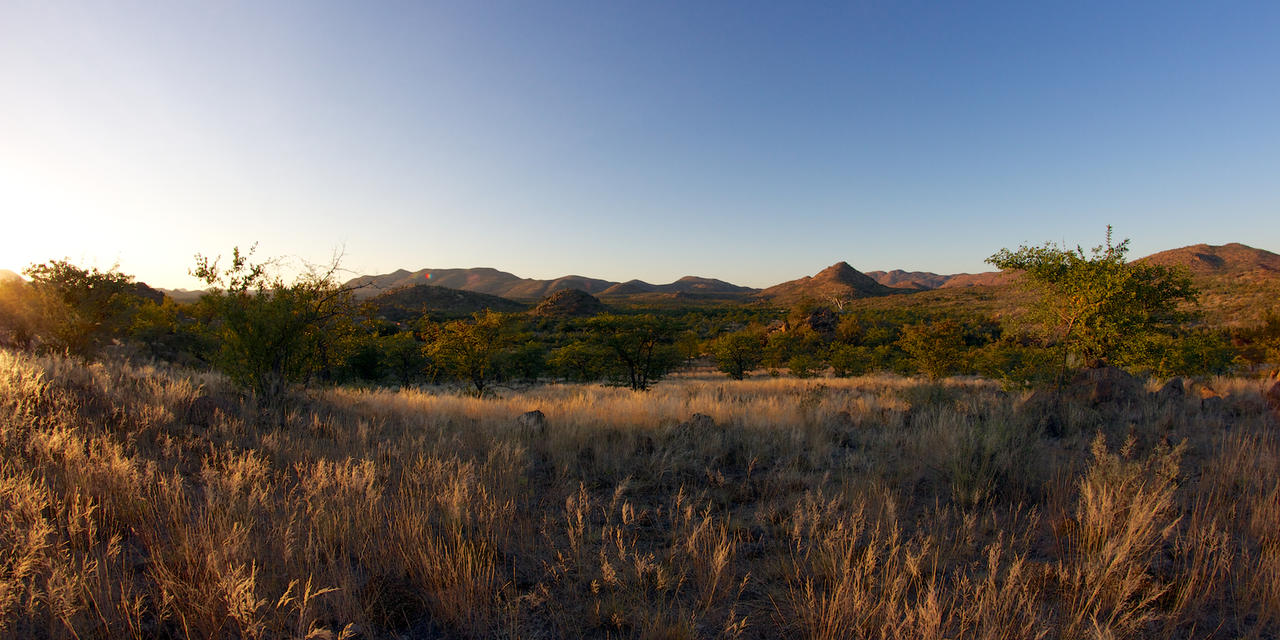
column 513, row 287
column 1228, row 269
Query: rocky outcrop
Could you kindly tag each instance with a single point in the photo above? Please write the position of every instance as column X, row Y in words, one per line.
column 570, row 303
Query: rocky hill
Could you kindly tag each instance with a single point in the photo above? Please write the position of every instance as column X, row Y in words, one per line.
column 569, row 303
column 1227, row 259
column 410, row 303
column 839, row 281
column 1237, row 282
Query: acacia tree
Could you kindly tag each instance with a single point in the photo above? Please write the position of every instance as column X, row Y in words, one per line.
column 79, row 310
column 1097, row 305
column 936, row 348
column 472, row 350
column 738, row 352
column 641, row 347
column 270, row 333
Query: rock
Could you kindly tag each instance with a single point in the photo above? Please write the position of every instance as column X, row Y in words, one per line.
column 699, row 421
column 1210, row 400
column 1105, row 385
column 532, row 423
column 1172, row 391
column 1272, row 397
column 1044, row 407
column 823, row 320
column 204, row 410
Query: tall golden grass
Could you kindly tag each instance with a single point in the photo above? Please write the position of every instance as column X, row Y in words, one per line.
column 147, row 502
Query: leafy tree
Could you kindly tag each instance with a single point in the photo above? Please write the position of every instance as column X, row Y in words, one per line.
column 849, row 360
column 640, row 345
column 804, row 365
column 1097, row 305
column 403, row 356
column 781, row 346
column 1200, row 352
column 935, row 348
column 19, row 309
column 527, row 360
column 738, row 352
column 1260, row 344
column 579, row 361
column 1017, row 362
column 270, row 333
column 471, row 350
column 80, row 310
column 168, row 331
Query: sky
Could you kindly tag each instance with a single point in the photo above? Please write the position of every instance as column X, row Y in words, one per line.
column 754, row 142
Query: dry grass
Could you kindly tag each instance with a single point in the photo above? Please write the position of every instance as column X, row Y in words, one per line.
column 144, row 502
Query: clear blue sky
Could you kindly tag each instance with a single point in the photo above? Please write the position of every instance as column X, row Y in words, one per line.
column 754, row 142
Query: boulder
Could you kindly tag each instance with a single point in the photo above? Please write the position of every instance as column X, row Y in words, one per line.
column 823, row 320
column 1044, row 408
column 1172, row 391
column 1209, row 398
column 699, row 421
column 532, row 423
column 1272, row 397
column 1105, row 385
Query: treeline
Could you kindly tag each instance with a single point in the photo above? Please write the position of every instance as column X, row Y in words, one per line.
column 266, row 333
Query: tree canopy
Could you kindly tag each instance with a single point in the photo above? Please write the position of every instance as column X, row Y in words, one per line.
column 1096, row 304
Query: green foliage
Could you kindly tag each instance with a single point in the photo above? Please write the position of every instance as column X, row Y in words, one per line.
column 738, row 352
column 80, row 310
column 1017, row 363
column 804, row 365
column 579, row 361
column 168, row 332
column 527, row 360
column 19, row 320
column 1203, row 352
column 1260, row 344
column 1097, row 305
column 849, row 360
column 269, row 333
column 403, row 357
column 780, row 347
column 473, row 350
column 937, row 349
column 641, row 348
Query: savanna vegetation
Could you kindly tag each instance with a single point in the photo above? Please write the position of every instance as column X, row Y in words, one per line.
column 276, row 461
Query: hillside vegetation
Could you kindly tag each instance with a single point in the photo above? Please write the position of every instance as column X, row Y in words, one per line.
column 153, row 502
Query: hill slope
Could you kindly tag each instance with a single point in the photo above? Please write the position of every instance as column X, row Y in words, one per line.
column 403, row 305
column 511, row 286
column 839, row 281
column 1227, row 259
column 1237, row 282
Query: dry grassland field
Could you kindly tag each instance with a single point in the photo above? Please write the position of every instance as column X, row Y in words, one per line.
column 149, row 502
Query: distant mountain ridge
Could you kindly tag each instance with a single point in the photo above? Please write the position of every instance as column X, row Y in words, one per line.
column 1203, row 260
column 508, row 285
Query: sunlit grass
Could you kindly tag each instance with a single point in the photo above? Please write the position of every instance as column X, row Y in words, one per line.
column 144, row 502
